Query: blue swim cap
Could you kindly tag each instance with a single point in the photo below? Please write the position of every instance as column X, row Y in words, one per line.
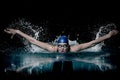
column 62, row 39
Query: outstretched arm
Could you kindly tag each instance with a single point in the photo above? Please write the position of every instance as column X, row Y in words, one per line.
column 93, row 42
column 30, row 39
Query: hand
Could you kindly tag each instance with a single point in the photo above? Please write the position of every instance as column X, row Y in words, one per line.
column 11, row 31
column 113, row 32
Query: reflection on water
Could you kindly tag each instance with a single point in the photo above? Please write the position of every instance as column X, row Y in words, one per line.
column 46, row 62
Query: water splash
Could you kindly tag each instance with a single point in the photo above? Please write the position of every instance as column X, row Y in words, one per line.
column 102, row 31
column 35, row 31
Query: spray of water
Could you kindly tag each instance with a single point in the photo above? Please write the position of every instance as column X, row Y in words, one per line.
column 35, row 31
column 102, row 31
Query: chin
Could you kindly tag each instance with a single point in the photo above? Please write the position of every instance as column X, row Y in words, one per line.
column 62, row 52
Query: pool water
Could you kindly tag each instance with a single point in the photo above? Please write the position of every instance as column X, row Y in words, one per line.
column 39, row 63
column 47, row 65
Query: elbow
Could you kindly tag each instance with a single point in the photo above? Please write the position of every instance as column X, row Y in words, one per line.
column 93, row 43
column 32, row 41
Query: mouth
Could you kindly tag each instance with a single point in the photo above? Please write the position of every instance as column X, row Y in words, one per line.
column 63, row 51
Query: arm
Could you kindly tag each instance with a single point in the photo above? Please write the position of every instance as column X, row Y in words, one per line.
column 30, row 39
column 93, row 42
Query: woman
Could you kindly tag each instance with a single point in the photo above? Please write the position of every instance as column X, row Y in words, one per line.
column 62, row 42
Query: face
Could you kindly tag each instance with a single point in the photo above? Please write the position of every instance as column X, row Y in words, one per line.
column 63, row 47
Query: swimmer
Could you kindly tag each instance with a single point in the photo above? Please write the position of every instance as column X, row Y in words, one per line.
column 62, row 42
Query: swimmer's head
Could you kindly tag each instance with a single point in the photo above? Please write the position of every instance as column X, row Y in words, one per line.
column 63, row 45
column 62, row 39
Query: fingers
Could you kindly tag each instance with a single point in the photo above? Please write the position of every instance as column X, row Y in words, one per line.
column 10, row 31
column 115, row 31
column 12, row 36
column 7, row 31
